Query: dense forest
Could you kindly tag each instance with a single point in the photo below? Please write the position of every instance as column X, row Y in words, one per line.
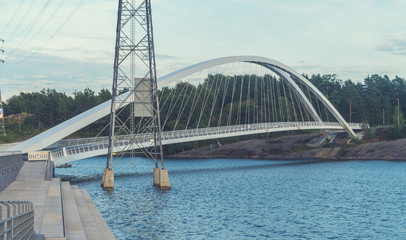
column 374, row 101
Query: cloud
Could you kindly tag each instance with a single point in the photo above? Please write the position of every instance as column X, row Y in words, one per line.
column 166, row 57
column 393, row 44
column 40, row 76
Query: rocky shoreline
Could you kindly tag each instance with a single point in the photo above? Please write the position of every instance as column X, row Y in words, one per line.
column 306, row 146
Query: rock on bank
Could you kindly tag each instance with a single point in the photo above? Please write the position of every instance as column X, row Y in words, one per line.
column 307, row 146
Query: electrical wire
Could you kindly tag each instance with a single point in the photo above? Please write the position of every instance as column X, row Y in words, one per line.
column 25, row 40
column 54, row 34
column 20, row 23
column 12, row 17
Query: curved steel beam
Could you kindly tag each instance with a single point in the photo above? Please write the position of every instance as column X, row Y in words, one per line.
column 266, row 62
column 66, row 128
column 80, row 121
column 301, row 96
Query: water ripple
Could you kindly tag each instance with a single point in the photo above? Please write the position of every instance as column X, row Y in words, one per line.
column 251, row 199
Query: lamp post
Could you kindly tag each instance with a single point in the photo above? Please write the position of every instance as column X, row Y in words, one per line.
column 398, row 110
column 383, row 116
column 350, row 110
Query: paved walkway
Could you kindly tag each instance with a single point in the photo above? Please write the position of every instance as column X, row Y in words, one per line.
column 61, row 211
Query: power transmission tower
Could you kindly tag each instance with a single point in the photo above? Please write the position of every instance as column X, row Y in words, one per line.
column 134, row 108
column 2, row 125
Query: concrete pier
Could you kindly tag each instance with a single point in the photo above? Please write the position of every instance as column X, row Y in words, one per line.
column 108, row 179
column 164, row 183
column 156, row 177
column 61, row 211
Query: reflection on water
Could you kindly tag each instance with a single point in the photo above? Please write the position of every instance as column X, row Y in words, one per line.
column 250, row 199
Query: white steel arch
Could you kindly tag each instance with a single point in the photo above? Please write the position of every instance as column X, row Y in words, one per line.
column 275, row 66
column 76, row 123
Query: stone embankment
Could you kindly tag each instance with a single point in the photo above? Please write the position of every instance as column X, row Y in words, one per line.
column 308, row 146
column 61, row 211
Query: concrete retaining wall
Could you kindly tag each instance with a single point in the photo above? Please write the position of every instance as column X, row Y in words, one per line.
column 9, row 168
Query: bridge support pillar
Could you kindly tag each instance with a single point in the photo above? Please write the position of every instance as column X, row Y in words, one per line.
column 156, row 177
column 108, row 180
column 164, row 183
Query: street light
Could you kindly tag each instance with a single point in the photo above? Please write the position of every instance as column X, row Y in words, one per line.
column 398, row 110
column 383, row 116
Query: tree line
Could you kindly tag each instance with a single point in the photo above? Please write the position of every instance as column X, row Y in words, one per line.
column 375, row 101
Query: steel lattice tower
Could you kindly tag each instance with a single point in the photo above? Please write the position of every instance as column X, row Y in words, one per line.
column 135, row 113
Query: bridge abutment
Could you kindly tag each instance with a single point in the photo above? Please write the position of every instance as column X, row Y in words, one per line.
column 108, row 179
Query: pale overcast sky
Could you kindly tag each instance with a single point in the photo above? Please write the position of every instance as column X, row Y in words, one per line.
column 69, row 44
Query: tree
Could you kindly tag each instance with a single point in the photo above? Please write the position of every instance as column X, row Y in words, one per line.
column 367, row 131
column 398, row 119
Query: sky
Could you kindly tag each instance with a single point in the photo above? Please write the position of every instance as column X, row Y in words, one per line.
column 68, row 45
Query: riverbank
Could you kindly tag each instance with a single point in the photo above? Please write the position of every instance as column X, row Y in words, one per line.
column 306, row 146
column 61, row 210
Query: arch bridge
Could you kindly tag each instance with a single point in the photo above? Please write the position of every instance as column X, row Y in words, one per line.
column 226, row 102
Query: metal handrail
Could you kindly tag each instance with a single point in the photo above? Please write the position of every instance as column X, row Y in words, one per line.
column 18, row 222
column 92, row 144
column 9, row 153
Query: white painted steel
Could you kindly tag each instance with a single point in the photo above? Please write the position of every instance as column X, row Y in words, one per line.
column 100, row 146
column 38, row 156
column 262, row 61
column 9, row 153
column 74, row 124
column 301, row 96
column 64, row 129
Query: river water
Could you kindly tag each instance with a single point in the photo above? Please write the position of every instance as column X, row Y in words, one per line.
column 250, row 199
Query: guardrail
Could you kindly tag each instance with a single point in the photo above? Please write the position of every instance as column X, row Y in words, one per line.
column 233, row 128
column 38, row 156
column 146, row 140
column 16, row 220
column 8, row 153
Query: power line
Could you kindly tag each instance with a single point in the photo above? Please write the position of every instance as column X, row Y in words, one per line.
column 54, row 34
column 30, row 27
column 27, row 12
column 12, row 18
column 25, row 40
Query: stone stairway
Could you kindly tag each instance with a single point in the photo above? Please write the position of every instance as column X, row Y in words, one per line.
column 61, row 211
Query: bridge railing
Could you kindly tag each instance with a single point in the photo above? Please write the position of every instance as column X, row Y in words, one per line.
column 80, row 141
column 16, row 220
column 146, row 140
column 38, row 156
column 9, row 153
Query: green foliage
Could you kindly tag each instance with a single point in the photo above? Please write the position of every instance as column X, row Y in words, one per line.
column 49, row 108
column 398, row 119
column 15, row 134
column 398, row 130
column 374, row 100
column 368, row 134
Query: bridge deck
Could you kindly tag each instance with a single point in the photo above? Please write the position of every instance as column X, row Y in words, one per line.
column 72, row 150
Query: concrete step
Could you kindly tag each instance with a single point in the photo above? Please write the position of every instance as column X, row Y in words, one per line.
column 98, row 218
column 73, row 225
column 52, row 223
column 89, row 225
